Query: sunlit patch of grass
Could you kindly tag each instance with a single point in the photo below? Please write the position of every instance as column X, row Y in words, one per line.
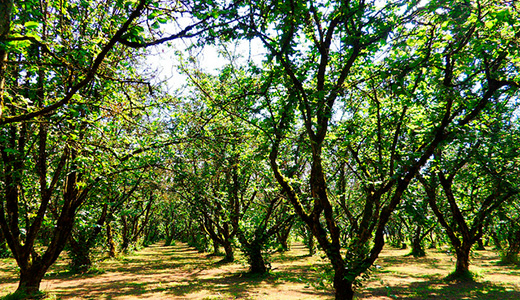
column 23, row 296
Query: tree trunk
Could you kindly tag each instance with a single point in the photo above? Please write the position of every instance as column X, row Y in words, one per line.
column 230, row 256
column 417, row 248
column 283, row 236
column 433, row 243
column 256, row 260
column 282, row 239
column 343, row 289
column 310, row 244
column 30, row 280
column 126, row 234
column 169, row 235
column 79, row 253
column 511, row 253
column 480, row 244
column 6, row 7
column 216, row 247
column 80, row 247
column 110, row 242
column 462, row 265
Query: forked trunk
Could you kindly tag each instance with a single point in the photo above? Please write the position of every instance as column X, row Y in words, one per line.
column 282, row 239
column 170, row 234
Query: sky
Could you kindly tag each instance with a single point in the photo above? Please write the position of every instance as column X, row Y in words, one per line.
column 164, row 61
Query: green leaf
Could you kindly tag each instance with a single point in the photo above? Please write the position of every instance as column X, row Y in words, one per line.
column 31, row 25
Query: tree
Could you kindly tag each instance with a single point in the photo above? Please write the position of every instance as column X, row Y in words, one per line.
column 56, row 75
column 322, row 61
column 265, row 219
column 417, row 218
column 507, row 232
column 476, row 177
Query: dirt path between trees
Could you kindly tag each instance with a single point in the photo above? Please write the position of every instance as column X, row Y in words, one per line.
column 180, row 272
column 177, row 272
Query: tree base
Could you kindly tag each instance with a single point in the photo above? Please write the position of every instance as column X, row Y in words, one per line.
column 461, row 276
column 417, row 253
column 509, row 260
column 23, row 295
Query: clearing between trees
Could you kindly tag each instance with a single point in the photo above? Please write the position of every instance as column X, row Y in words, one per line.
column 181, row 272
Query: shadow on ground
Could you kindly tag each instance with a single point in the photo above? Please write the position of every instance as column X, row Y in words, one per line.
column 438, row 289
column 179, row 272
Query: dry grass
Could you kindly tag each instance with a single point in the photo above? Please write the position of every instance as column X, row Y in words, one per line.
column 179, row 272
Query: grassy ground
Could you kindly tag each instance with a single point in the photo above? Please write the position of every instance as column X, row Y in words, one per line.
column 179, row 272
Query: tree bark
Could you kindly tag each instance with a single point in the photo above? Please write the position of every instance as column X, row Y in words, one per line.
column 79, row 253
column 417, row 247
column 511, row 253
column 462, row 265
column 342, row 286
column 30, row 280
column 125, row 234
column 6, row 7
column 228, row 248
column 110, row 241
column 4, row 251
column 256, row 260
column 310, row 245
